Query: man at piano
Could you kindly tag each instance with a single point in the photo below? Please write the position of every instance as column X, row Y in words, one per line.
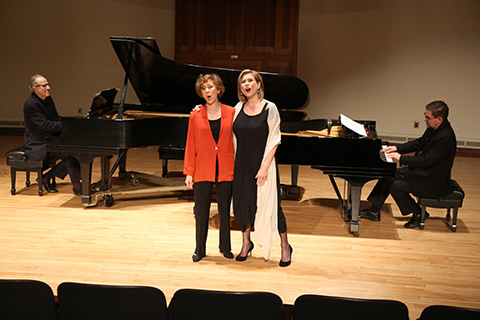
column 425, row 173
column 42, row 121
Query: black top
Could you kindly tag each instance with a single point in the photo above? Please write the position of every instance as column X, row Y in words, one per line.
column 41, row 122
column 432, row 162
column 215, row 126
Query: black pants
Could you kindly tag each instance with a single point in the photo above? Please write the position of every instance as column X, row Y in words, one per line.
column 203, row 197
column 67, row 165
column 400, row 188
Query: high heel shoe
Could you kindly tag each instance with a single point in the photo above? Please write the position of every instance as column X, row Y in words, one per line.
column 243, row 258
column 287, row 263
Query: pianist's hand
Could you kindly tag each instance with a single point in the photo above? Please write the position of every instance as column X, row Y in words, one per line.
column 393, row 155
column 189, row 182
column 389, row 149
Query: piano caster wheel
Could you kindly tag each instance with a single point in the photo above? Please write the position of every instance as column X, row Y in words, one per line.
column 134, row 181
column 108, row 201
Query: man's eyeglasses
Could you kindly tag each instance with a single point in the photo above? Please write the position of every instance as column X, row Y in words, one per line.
column 428, row 118
column 44, row 85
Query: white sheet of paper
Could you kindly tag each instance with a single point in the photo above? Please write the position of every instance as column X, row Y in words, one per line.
column 353, row 125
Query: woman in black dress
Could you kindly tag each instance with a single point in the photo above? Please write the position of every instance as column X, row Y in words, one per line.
column 256, row 183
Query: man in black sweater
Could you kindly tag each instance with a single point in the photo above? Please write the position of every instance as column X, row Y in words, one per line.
column 42, row 121
column 426, row 173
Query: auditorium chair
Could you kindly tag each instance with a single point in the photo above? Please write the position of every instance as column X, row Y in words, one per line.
column 104, row 302
column 438, row 312
column 194, row 304
column 454, row 200
column 27, row 300
column 320, row 307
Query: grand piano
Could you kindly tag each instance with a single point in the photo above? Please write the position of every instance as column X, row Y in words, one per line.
column 166, row 91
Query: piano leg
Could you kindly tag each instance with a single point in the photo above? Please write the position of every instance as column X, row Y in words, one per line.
column 291, row 192
column 122, row 165
column 355, row 194
column 164, row 168
column 106, row 182
column 294, row 187
column 85, row 161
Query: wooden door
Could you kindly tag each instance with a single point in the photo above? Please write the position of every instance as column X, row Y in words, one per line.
column 260, row 35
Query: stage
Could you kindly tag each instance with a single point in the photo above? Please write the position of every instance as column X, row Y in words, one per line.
column 149, row 240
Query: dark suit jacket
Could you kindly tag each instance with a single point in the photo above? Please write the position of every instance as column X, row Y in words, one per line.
column 432, row 162
column 41, row 121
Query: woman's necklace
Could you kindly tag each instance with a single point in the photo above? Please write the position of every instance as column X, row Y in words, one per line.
column 216, row 110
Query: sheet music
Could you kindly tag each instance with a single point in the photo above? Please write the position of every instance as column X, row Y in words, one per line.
column 353, row 125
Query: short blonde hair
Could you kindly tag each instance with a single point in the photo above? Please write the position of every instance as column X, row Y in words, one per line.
column 204, row 78
column 258, row 77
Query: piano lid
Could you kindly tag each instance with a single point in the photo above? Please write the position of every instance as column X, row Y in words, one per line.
column 158, row 80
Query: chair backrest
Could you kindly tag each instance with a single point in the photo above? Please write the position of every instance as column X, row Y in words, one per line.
column 338, row 308
column 194, row 304
column 449, row 312
column 102, row 302
column 26, row 299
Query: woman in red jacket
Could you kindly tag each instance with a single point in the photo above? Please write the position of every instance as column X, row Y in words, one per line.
column 209, row 160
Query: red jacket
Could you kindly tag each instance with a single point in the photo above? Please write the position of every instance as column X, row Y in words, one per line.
column 201, row 151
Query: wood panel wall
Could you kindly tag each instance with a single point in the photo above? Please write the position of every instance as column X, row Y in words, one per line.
column 260, row 35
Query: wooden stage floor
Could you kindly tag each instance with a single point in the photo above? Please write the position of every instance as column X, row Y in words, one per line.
column 149, row 240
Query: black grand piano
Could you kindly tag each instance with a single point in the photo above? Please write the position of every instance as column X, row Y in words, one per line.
column 166, row 91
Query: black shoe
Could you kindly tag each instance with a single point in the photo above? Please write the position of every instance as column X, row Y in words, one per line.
column 228, row 255
column 46, row 184
column 77, row 188
column 196, row 257
column 367, row 214
column 287, row 263
column 243, row 258
column 415, row 221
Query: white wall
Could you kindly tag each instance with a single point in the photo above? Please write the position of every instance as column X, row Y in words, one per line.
column 68, row 42
column 371, row 59
column 386, row 60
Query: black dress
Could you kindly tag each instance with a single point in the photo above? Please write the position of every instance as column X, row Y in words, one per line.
column 251, row 133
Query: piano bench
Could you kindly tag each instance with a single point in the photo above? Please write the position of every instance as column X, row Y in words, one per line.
column 453, row 201
column 170, row 152
column 18, row 160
